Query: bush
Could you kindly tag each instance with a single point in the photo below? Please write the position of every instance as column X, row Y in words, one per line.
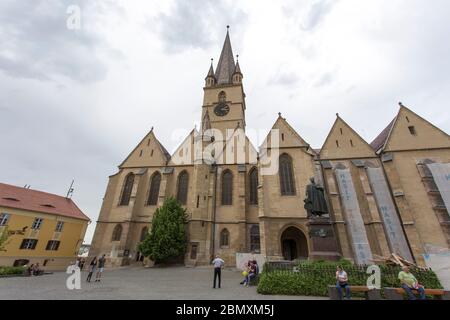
column 167, row 238
column 4, row 271
column 313, row 278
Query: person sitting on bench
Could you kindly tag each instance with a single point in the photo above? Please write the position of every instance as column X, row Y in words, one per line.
column 410, row 283
column 342, row 282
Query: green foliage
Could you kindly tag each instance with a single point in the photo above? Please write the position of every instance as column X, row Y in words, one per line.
column 313, row 278
column 167, row 238
column 11, row 270
column 4, row 237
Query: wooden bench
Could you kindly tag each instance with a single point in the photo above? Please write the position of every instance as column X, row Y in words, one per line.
column 371, row 294
column 399, row 293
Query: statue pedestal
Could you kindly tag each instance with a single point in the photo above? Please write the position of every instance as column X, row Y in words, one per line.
column 323, row 240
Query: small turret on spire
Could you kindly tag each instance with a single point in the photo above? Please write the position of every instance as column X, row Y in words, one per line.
column 237, row 74
column 210, row 79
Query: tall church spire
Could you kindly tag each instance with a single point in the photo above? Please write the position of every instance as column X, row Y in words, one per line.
column 225, row 68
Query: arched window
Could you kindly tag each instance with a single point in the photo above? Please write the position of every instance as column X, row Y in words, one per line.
column 254, row 239
column 154, row 189
column 222, row 96
column 126, row 191
column 144, row 233
column 183, row 183
column 227, row 188
column 253, row 177
column 117, row 233
column 286, row 173
column 224, row 238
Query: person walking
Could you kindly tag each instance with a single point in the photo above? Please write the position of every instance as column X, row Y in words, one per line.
column 218, row 265
column 101, row 267
column 92, row 267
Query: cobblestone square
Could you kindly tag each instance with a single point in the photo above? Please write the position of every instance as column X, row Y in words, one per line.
column 136, row 283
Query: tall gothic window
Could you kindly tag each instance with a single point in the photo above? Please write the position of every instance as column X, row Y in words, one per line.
column 222, row 96
column 254, row 239
column 126, row 191
column 144, row 233
column 154, row 189
column 117, row 233
column 227, row 188
column 183, row 183
column 225, row 238
column 253, row 186
column 286, row 173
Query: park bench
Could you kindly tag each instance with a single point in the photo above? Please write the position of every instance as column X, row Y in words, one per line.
column 370, row 293
column 254, row 281
column 399, row 293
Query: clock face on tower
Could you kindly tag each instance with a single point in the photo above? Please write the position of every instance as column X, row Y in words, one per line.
column 221, row 109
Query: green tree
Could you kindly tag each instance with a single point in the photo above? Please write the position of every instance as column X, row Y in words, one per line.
column 4, row 237
column 167, row 237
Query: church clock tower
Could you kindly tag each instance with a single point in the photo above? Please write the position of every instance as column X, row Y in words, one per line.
column 224, row 98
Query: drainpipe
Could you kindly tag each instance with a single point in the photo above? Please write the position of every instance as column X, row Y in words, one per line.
column 214, row 167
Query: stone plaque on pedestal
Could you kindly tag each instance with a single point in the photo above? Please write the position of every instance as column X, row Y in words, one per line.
column 323, row 239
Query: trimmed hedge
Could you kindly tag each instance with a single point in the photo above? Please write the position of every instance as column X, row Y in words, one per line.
column 313, row 278
column 5, row 271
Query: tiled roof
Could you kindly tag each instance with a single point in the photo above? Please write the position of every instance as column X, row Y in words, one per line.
column 226, row 66
column 379, row 141
column 38, row 201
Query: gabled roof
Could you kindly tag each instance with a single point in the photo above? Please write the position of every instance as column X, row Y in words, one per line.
column 38, row 201
column 188, row 142
column 250, row 152
column 279, row 123
column 225, row 67
column 164, row 153
column 343, row 142
column 396, row 135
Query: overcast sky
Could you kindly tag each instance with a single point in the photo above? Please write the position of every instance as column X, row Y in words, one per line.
column 74, row 103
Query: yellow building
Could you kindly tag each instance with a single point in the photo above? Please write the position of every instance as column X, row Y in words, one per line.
column 44, row 228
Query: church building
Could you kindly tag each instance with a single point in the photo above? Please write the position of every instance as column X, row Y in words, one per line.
column 389, row 196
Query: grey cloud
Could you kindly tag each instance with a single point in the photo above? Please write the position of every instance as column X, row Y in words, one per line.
column 317, row 12
column 196, row 23
column 284, row 79
column 36, row 43
column 324, row 80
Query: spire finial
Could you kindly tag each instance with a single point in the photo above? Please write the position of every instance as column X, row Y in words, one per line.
column 337, row 115
column 228, row 27
column 237, row 57
column 279, row 114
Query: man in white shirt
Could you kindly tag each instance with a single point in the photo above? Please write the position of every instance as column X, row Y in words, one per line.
column 218, row 264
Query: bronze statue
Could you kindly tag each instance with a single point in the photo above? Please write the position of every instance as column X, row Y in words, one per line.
column 315, row 203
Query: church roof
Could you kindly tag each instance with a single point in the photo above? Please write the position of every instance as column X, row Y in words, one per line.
column 381, row 139
column 226, row 66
